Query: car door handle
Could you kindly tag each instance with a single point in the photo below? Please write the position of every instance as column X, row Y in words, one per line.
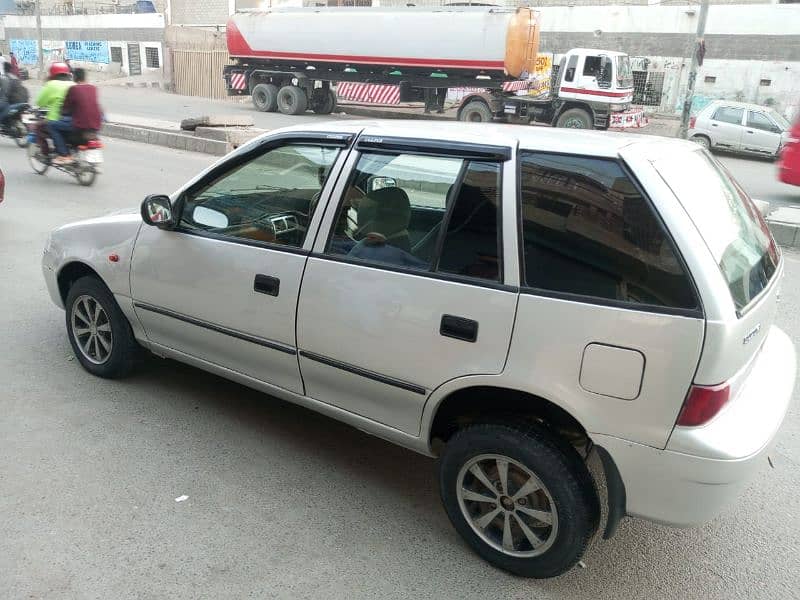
column 459, row 328
column 264, row 284
column 714, row 125
column 750, row 131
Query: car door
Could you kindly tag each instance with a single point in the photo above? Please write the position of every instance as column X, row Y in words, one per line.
column 222, row 286
column 388, row 311
column 727, row 127
column 761, row 134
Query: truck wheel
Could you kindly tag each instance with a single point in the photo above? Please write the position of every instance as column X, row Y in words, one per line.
column 520, row 496
column 323, row 102
column 265, row 97
column 575, row 118
column 476, row 111
column 292, row 100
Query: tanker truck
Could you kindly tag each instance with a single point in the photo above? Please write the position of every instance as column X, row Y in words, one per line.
column 290, row 60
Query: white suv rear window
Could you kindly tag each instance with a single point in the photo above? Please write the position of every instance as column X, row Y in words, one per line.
column 728, row 220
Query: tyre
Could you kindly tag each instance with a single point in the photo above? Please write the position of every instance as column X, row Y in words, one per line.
column 265, row 97
column 703, row 141
column 520, row 496
column 292, row 100
column 323, row 102
column 85, row 174
column 575, row 118
column 39, row 162
column 476, row 111
column 21, row 134
column 99, row 333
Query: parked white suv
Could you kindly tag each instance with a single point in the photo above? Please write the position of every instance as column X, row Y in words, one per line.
column 739, row 127
column 508, row 299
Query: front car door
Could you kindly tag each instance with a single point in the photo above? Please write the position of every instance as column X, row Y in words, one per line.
column 406, row 288
column 223, row 286
column 727, row 127
column 761, row 134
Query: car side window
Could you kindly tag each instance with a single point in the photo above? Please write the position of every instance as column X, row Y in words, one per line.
column 425, row 213
column 588, row 232
column 569, row 74
column 270, row 198
column 759, row 120
column 727, row 114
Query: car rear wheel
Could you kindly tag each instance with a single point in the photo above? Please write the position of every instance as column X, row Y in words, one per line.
column 521, row 497
column 702, row 141
column 99, row 333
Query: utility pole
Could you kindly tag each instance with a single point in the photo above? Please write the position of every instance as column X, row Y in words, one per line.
column 38, row 8
column 687, row 102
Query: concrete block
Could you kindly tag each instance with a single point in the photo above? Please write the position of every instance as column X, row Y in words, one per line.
column 785, row 226
column 217, row 121
column 762, row 205
column 234, row 136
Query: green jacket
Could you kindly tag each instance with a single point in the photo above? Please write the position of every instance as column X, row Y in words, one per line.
column 52, row 97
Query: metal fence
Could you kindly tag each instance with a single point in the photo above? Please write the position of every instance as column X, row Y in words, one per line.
column 648, row 87
column 199, row 72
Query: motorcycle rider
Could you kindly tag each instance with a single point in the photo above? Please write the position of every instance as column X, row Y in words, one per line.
column 52, row 98
column 81, row 111
column 15, row 93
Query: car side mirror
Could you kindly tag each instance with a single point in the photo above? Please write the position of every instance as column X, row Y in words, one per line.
column 157, row 211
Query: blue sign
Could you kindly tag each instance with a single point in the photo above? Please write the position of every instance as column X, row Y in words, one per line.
column 26, row 51
column 84, row 51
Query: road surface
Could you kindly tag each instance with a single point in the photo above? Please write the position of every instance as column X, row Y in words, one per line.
column 282, row 502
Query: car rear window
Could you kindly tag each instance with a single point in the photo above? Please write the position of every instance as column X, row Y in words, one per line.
column 728, row 220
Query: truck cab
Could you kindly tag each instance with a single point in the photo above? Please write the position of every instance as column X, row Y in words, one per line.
column 595, row 75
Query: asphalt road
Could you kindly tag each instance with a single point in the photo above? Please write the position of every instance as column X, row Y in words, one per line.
column 282, row 503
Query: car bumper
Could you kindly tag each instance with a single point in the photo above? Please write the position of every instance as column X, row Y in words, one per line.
column 49, row 266
column 703, row 469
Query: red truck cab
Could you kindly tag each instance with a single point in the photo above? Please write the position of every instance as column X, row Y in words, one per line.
column 789, row 162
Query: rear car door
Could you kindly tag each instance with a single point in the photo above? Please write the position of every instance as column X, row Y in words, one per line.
column 761, row 134
column 406, row 288
column 727, row 127
column 223, row 286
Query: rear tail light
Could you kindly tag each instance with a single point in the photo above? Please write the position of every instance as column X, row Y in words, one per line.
column 703, row 403
column 692, row 122
column 94, row 144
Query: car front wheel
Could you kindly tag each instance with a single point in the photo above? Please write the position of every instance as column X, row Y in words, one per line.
column 99, row 333
column 520, row 496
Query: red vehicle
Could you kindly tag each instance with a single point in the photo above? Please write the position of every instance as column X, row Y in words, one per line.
column 789, row 162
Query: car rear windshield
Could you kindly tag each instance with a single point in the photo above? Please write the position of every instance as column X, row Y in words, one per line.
column 728, row 220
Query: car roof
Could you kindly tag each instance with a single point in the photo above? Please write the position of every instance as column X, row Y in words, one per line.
column 605, row 144
column 734, row 104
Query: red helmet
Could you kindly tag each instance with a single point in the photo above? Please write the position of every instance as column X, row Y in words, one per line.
column 59, row 68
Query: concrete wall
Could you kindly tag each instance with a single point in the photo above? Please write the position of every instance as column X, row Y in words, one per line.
column 140, row 31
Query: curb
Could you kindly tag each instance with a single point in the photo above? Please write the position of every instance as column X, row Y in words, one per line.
column 168, row 139
column 785, row 234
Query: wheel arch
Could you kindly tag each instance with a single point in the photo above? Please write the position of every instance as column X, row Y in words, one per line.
column 488, row 401
column 484, row 97
column 72, row 272
column 485, row 401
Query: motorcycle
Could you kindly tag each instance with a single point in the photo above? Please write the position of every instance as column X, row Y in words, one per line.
column 14, row 125
column 85, row 150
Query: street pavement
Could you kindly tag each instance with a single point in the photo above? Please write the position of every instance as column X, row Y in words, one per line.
column 282, row 502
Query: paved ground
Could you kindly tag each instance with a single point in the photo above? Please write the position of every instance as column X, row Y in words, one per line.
column 282, row 502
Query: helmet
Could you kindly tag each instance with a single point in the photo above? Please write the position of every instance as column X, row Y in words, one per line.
column 59, row 68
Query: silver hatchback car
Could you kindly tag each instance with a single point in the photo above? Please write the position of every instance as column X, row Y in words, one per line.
column 511, row 300
column 739, row 127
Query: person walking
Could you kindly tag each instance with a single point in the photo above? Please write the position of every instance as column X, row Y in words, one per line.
column 14, row 64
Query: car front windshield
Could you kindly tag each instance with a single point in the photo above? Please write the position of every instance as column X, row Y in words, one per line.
column 730, row 223
column 780, row 120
